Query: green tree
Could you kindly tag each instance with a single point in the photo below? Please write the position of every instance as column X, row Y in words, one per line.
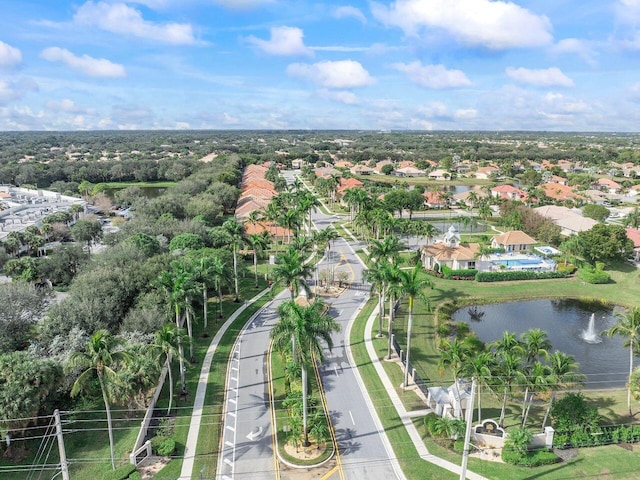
column 100, row 359
column 479, row 366
column 303, row 331
column 259, row 242
column 87, row 231
column 628, row 327
column 595, row 211
column 563, row 374
column 186, row 241
column 603, row 243
column 166, row 342
column 236, row 231
column 21, row 306
column 292, row 271
column 412, row 284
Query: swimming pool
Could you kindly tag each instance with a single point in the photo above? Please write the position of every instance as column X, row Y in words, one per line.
column 522, row 262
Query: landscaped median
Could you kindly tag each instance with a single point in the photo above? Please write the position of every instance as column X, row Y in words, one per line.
column 285, row 390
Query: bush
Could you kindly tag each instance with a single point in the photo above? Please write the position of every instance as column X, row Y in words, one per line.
column 135, row 476
column 444, row 329
column 430, row 421
column 535, row 458
column 569, row 268
column 120, row 473
column 464, row 274
column 518, row 275
column 458, row 445
column 593, row 275
column 163, row 446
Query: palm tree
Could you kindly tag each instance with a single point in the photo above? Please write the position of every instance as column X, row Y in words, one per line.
column 202, row 271
column 537, row 381
column 535, row 344
column 412, row 284
column 259, row 243
column 291, row 270
column 394, row 290
column 563, row 374
column 330, row 235
column 219, row 274
column 508, row 343
column 100, row 358
column 485, row 212
column 377, row 276
column 388, row 249
column 236, row 230
column 453, row 354
column 167, row 341
column 307, row 203
column 480, row 367
column 510, row 371
column 628, row 326
column 301, row 331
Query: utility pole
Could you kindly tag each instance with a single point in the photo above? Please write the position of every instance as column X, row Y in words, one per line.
column 63, row 455
column 467, row 434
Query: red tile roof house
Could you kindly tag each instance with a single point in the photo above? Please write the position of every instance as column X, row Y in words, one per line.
column 634, row 236
column 484, row 173
column 559, row 192
column 608, row 185
column 513, row 241
column 509, row 192
column 346, row 183
column 434, row 199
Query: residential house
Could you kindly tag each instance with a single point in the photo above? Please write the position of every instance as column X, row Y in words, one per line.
column 346, row 183
column 513, row 241
column 382, row 163
column 297, row 163
column 607, row 185
column 634, row 236
column 450, row 252
column 570, row 221
column 327, row 172
column 635, row 190
column 362, row 170
column 486, row 173
column 450, row 402
column 439, row 174
column 559, row 192
column 435, row 199
column 409, row 172
column 509, row 192
column 343, row 164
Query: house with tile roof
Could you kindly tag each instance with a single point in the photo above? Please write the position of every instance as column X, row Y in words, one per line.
column 509, row 192
column 485, row 173
column 346, row 183
column 435, row 199
column 513, row 241
column 450, row 252
column 634, row 236
column 570, row 221
column 559, row 192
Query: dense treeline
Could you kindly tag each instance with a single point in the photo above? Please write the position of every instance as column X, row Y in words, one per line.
column 62, row 160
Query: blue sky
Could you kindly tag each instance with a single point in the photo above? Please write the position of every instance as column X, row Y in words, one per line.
column 563, row 65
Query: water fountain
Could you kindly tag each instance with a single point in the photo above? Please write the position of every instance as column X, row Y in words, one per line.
column 590, row 335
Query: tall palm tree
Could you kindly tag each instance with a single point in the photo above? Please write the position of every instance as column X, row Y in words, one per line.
column 510, row 371
column 307, row 203
column 236, row 230
column 412, row 284
column 389, row 248
column 479, row 366
column 394, row 290
column 509, row 342
column 453, row 354
column 628, row 326
column 291, row 270
column 537, row 381
column 330, row 235
column 100, row 358
column 259, row 243
column 220, row 275
column 302, row 331
column 202, row 272
column 166, row 342
column 536, row 344
column 563, row 373
column 376, row 275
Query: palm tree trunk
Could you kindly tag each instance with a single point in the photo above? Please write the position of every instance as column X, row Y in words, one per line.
column 526, row 413
column 183, row 382
column 168, row 364
column 255, row 266
column 235, row 273
column 524, row 403
column 109, row 424
column 504, row 406
column 479, row 405
column 304, row 406
column 390, row 326
column 630, row 373
column 406, row 366
column 546, row 414
column 220, row 300
column 190, row 332
column 205, row 301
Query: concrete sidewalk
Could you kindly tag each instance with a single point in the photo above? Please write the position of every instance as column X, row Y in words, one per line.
column 405, row 416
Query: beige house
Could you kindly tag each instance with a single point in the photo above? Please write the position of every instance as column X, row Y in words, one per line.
column 513, row 241
column 450, row 252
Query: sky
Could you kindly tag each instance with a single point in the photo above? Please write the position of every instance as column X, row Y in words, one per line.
column 543, row 65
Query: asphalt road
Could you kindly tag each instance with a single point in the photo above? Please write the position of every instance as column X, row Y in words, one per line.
column 247, row 439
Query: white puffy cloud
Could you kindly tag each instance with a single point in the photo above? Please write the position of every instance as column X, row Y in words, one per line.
column 575, row 46
column 9, row 56
column 349, row 12
column 341, row 74
column 627, row 11
column 492, row 24
column 341, row 96
column 68, row 106
column 127, row 21
column 548, row 77
column 465, row 114
column 94, row 67
column 229, row 119
column 283, row 41
column 433, row 76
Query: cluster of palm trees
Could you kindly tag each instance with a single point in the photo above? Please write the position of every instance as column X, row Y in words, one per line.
column 300, row 335
column 512, row 365
column 391, row 283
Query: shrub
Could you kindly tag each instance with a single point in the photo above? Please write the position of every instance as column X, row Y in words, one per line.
column 135, row 476
column 163, row 446
column 458, row 445
column 589, row 274
column 459, row 274
column 444, row 329
column 120, row 473
column 517, row 275
column 535, row 458
column 569, row 268
column 430, row 421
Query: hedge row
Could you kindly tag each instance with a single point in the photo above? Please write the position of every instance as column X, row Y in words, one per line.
column 518, row 275
column 459, row 274
column 535, row 458
column 606, row 435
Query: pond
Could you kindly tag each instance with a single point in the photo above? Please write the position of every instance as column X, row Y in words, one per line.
column 606, row 364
